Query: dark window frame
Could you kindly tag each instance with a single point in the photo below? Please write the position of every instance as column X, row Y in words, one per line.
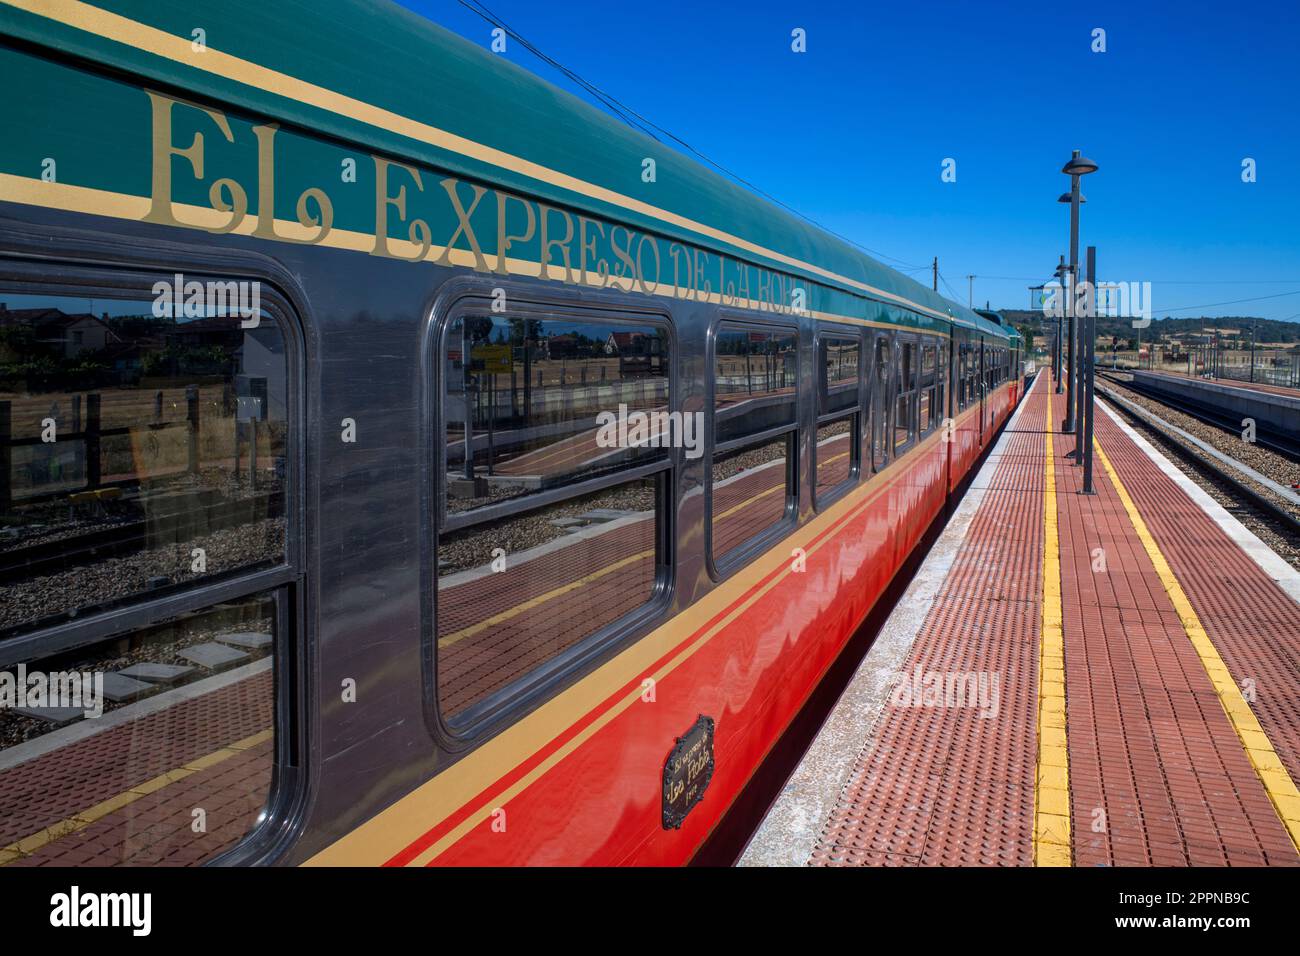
column 821, row 333
column 723, row 566
column 126, row 267
column 901, row 341
column 930, row 344
column 484, row 719
column 882, row 411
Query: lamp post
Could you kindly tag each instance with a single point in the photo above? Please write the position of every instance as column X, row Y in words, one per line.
column 1076, row 167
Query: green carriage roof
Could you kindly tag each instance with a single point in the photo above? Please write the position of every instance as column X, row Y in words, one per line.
column 378, row 74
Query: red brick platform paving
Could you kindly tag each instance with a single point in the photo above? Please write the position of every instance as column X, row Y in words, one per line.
column 1158, row 775
column 52, row 788
column 1251, row 621
column 943, row 785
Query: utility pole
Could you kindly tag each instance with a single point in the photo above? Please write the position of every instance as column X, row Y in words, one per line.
column 934, row 274
column 970, row 292
column 1076, row 167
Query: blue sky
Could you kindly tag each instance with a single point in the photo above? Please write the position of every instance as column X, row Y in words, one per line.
column 853, row 132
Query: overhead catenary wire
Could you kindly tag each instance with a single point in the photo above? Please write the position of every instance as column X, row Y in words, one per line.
column 639, row 122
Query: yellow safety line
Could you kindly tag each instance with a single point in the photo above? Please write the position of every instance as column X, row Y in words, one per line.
column 57, row 831
column 1052, row 772
column 1277, row 782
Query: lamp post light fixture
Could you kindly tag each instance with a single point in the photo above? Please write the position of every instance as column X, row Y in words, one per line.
column 1076, row 167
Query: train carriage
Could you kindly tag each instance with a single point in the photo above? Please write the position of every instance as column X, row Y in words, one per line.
column 412, row 464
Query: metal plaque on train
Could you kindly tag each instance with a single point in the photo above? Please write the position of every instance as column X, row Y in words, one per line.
column 687, row 772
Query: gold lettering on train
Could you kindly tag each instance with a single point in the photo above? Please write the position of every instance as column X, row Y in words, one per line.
column 266, row 195
column 463, row 225
column 585, row 247
column 548, row 244
column 160, row 208
column 626, row 267
column 418, row 228
column 505, row 240
column 602, row 254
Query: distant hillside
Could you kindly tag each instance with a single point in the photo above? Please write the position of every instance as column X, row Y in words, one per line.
column 1266, row 330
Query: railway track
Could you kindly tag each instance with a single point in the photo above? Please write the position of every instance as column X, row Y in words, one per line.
column 1260, row 494
column 1279, row 442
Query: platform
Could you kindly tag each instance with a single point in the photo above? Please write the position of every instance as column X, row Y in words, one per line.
column 1104, row 680
column 1274, row 408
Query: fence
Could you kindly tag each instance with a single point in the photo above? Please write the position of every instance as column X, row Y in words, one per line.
column 74, row 462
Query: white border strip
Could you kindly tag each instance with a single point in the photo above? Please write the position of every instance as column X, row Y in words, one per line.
column 1285, row 576
column 792, row 827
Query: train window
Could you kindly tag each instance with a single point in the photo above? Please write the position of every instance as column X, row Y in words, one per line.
column 750, row 492
column 140, row 453
column 548, row 402
column 959, row 392
column 838, row 378
column 552, row 541
column 905, row 401
column 837, row 450
column 146, row 466
column 881, row 405
column 516, row 592
column 927, row 411
column 752, row 475
column 754, row 381
column 970, row 368
column 177, row 764
column 941, row 385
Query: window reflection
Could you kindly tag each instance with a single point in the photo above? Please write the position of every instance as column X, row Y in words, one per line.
column 839, row 383
column 750, row 490
column 516, row 592
column 159, row 754
column 526, row 396
column 138, row 453
column 755, row 373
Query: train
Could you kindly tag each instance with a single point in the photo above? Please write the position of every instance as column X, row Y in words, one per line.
column 405, row 463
